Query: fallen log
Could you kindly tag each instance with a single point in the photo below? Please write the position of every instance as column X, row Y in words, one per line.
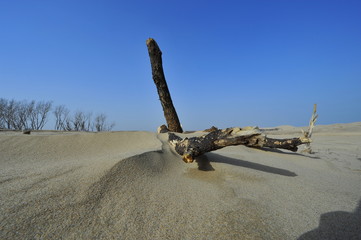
column 190, row 148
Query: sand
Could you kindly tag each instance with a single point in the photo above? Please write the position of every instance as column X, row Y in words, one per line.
column 130, row 185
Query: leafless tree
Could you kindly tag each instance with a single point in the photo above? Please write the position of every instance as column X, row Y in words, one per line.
column 81, row 121
column 19, row 115
column 10, row 114
column 24, row 110
column 68, row 125
column 100, row 123
column 61, row 114
column 38, row 117
column 3, row 104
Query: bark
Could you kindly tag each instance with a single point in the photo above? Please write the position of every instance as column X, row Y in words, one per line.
column 190, row 148
column 170, row 113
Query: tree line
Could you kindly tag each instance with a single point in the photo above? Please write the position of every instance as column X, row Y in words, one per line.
column 24, row 115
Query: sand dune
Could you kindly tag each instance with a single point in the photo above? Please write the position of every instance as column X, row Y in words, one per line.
column 130, row 185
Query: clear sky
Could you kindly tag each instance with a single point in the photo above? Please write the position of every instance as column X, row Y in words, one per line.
column 227, row 63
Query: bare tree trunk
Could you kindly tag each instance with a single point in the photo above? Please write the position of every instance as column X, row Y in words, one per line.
column 190, row 148
column 170, row 113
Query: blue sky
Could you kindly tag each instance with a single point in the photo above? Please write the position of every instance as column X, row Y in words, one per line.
column 227, row 63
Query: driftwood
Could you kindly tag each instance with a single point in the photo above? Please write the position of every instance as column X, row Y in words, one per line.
column 170, row 113
column 190, row 148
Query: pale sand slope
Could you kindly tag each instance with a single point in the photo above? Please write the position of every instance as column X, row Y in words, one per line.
column 126, row 185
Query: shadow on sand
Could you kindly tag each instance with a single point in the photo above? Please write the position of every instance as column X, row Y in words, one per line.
column 275, row 150
column 204, row 164
column 337, row 225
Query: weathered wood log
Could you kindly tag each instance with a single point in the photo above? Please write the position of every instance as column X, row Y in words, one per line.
column 190, row 148
column 170, row 113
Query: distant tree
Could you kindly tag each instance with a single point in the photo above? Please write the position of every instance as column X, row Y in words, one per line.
column 61, row 114
column 16, row 115
column 3, row 104
column 38, row 116
column 68, row 125
column 82, row 121
column 10, row 114
column 21, row 115
column 100, row 123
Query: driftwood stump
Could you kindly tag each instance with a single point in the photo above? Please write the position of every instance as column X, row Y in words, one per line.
column 308, row 134
column 170, row 113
